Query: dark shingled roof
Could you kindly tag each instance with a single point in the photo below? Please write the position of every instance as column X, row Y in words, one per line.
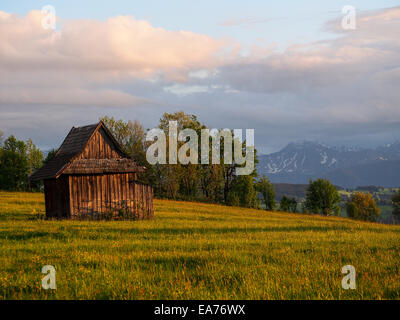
column 77, row 139
column 73, row 145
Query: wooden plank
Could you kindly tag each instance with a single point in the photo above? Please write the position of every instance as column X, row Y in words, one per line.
column 82, row 197
column 82, row 205
column 131, row 196
column 103, row 147
column 106, row 191
column 136, row 201
column 78, row 195
column 99, row 195
column 94, row 193
column 141, row 202
column 95, row 187
column 123, row 186
column 90, row 194
column 144, row 201
column 118, row 185
column 103, row 192
column 99, row 153
column 72, row 195
column 93, row 151
column 110, row 177
column 86, row 186
column 70, row 201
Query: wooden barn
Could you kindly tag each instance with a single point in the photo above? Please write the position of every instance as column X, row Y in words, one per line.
column 91, row 176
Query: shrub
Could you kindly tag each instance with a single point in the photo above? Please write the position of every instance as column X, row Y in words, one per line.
column 362, row 206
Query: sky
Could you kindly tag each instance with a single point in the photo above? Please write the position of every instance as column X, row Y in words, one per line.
column 285, row 68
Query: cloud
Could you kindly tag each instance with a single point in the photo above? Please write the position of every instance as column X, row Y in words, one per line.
column 349, row 79
column 68, row 96
column 119, row 44
column 77, row 64
column 341, row 89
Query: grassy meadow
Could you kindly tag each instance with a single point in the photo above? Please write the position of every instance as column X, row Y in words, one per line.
column 194, row 251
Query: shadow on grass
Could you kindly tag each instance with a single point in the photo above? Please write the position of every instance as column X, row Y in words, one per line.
column 197, row 230
column 108, row 233
column 9, row 235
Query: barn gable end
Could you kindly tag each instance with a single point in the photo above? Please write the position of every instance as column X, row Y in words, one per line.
column 100, row 146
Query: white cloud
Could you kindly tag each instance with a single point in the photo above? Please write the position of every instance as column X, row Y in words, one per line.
column 73, row 66
column 119, row 44
column 183, row 90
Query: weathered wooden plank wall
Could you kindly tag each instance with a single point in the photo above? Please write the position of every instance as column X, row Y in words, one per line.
column 99, row 147
column 105, row 193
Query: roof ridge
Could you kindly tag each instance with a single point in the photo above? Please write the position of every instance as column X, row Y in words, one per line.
column 73, row 145
column 88, row 125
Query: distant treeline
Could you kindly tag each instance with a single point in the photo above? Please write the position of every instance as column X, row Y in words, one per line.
column 297, row 191
column 18, row 159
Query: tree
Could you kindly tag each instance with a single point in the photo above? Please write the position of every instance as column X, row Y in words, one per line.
column 244, row 189
column 1, row 144
column 229, row 170
column 34, row 156
column 288, row 204
column 13, row 165
column 322, row 197
column 35, row 161
column 293, row 205
column 131, row 136
column 362, row 206
column 50, row 155
column 265, row 188
column 186, row 176
column 212, row 182
column 396, row 205
column 121, row 130
column 233, row 200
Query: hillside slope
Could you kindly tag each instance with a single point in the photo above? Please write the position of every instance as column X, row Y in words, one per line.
column 194, row 251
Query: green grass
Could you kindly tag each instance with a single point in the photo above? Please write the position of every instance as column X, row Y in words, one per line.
column 194, row 251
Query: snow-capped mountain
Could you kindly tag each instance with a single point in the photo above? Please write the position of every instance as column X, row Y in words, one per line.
column 300, row 161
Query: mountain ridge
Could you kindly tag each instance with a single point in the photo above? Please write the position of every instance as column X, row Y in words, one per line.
column 348, row 167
